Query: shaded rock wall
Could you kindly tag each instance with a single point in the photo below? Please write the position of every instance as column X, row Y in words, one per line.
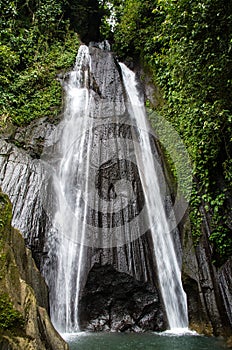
column 225, row 284
column 116, row 301
column 120, row 290
column 21, row 177
column 208, row 288
column 22, row 283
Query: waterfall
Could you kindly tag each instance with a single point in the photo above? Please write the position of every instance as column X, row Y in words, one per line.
column 70, row 173
column 78, row 202
column 169, row 271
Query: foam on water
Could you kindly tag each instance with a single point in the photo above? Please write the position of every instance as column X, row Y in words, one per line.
column 178, row 332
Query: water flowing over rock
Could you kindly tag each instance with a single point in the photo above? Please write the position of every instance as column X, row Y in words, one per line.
column 81, row 208
column 107, row 164
column 169, row 271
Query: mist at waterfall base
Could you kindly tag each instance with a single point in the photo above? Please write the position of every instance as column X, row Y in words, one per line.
column 145, row 341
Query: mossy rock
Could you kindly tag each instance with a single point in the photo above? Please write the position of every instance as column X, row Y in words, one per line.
column 24, row 321
column 10, row 318
column 5, row 213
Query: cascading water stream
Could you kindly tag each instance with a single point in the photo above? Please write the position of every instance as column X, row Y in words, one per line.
column 72, row 182
column 168, row 268
column 71, row 172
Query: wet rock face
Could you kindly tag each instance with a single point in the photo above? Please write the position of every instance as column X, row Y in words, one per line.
column 225, row 284
column 107, row 84
column 32, row 137
column 113, row 300
column 208, row 289
column 115, row 178
column 22, row 178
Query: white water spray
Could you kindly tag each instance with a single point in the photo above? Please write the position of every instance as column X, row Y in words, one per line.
column 168, row 268
column 67, row 179
column 72, row 180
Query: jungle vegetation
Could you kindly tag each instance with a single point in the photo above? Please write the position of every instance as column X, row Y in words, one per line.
column 188, row 47
column 185, row 45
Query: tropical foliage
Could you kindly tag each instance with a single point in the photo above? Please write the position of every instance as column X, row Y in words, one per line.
column 188, row 46
column 35, row 44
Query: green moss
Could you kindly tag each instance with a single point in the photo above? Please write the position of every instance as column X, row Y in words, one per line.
column 35, row 46
column 34, row 91
column 10, row 318
column 5, row 213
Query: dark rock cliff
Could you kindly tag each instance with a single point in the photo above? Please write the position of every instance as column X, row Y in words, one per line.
column 208, row 288
column 114, row 300
column 121, row 290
